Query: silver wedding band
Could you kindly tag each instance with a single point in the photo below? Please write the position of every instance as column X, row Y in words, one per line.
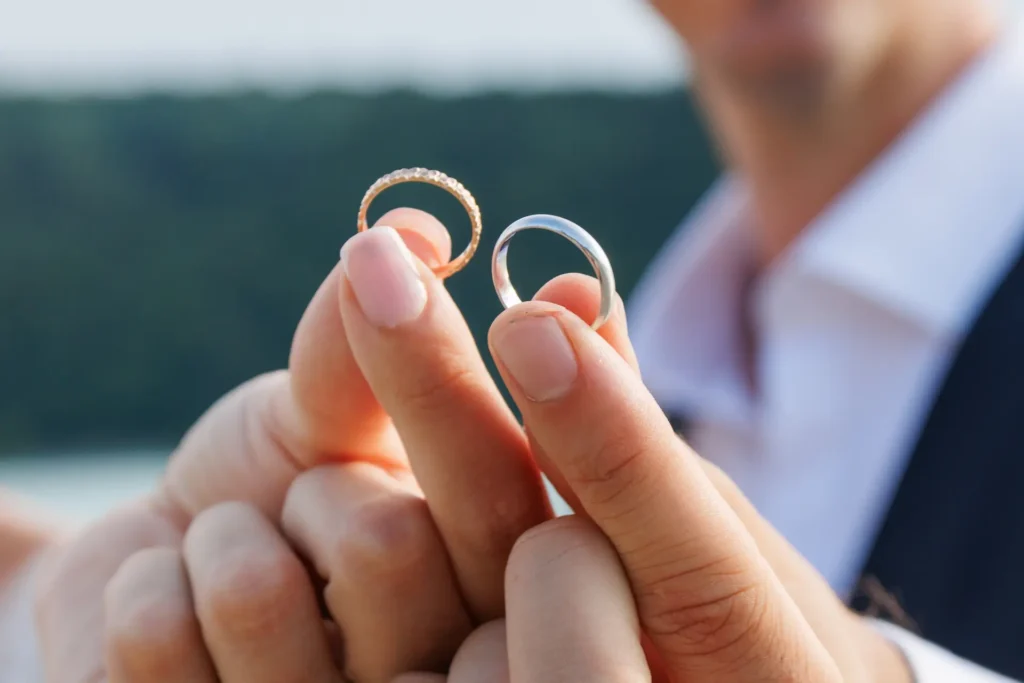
column 570, row 231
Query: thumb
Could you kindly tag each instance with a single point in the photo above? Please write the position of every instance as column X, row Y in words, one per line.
column 706, row 596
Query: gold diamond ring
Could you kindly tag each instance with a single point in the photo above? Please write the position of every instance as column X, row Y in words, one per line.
column 437, row 179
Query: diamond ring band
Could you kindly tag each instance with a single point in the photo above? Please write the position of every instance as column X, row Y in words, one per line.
column 445, row 182
column 499, row 259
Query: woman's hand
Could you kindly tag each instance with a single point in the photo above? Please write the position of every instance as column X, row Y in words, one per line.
column 387, row 457
column 385, row 451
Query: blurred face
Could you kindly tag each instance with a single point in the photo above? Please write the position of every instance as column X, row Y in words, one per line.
column 779, row 49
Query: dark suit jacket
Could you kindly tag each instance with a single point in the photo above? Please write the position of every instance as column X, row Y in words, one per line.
column 951, row 548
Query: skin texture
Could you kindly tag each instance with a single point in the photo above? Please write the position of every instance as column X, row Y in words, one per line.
column 321, row 427
column 571, row 617
column 272, row 516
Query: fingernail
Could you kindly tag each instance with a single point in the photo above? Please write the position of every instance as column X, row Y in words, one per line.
column 539, row 357
column 422, row 247
column 383, row 275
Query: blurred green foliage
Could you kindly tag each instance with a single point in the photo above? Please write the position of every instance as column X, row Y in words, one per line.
column 157, row 251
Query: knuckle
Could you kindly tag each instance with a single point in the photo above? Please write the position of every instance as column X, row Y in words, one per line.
column 153, row 634
column 150, row 626
column 443, row 384
column 85, row 562
column 249, row 425
column 721, row 618
column 248, row 592
column 385, row 537
column 227, row 417
column 308, row 483
column 613, row 469
column 226, row 520
column 492, row 533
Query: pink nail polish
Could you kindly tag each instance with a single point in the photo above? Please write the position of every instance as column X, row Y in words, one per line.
column 539, row 357
column 383, row 275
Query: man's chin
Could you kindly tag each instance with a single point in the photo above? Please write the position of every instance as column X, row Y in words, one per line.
column 789, row 75
column 786, row 47
column 783, row 82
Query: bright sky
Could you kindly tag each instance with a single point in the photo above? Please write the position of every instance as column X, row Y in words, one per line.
column 447, row 44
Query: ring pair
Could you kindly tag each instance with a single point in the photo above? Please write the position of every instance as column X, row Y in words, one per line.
column 499, row 259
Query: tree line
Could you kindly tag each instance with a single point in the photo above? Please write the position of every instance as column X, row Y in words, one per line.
column 156, row 251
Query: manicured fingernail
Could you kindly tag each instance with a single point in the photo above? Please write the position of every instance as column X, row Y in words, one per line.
column 424, row 248
column 539, row 357
column 383, row 275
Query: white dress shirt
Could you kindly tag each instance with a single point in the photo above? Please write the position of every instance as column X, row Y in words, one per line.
column 854, row 326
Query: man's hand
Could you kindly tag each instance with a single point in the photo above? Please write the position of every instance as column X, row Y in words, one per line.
column 572, row 616
column 667, row 573
column 719, row 594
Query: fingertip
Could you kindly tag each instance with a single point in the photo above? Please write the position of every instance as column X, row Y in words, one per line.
column 424, row 234
column 557, row 544
column 148, row 596
column 534, row 346
column 150, row 626
column 483, row 656
column 571, row 612
column 581, row 295
column 529, row 309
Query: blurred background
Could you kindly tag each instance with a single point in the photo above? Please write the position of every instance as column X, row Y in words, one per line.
column 176, row 180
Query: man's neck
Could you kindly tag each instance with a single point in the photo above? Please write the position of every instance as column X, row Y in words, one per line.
column 797, row 162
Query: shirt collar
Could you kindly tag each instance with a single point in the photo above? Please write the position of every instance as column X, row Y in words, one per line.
column 684, row 315
column 924, row 232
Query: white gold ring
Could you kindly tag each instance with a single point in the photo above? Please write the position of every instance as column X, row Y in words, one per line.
column 570, row 231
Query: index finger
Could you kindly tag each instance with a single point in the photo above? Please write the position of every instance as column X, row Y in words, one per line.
column 253, row 442
column 248, row 447
column 708, row 600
